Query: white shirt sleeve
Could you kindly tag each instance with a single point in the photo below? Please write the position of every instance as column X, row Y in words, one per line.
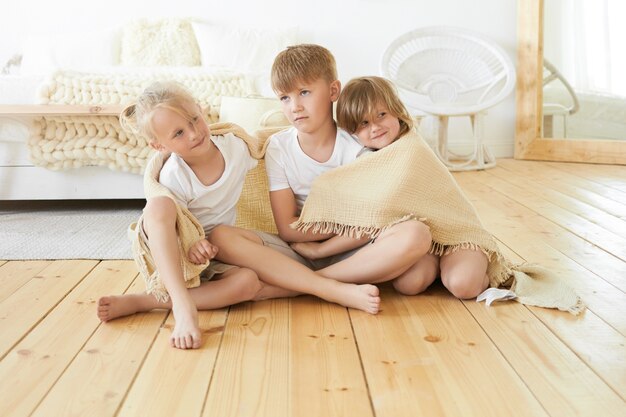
column 243, row 151
column 170, row 178
column 252, row 162
column 275, row 167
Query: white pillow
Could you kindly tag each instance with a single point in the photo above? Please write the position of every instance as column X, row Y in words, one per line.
column 241, row 49
column 164, row 42
column 78, row 51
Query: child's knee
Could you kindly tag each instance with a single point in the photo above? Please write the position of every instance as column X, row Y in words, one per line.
column 415, row 237
column 413, row 284
column 219, row 235
column 247, row 284
column 463, row 286
column 223, row 235
column 161, row 210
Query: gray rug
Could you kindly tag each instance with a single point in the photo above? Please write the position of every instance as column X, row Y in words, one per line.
column 93, row 229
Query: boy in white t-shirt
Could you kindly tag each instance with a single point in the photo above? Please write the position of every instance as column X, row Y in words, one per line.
column 205, row 174
column 304, row 78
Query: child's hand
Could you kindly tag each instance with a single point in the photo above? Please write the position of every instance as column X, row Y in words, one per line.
column 310, row 250
column 202, row 251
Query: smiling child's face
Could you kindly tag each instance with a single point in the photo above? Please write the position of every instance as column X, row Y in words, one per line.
column 378, row 129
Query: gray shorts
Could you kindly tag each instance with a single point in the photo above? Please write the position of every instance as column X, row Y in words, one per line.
column 275, row 242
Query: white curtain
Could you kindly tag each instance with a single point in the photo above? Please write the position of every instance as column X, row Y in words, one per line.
column 586, row 40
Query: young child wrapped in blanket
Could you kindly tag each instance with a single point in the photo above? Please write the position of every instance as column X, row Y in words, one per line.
column 370, row 109
column 403, row 178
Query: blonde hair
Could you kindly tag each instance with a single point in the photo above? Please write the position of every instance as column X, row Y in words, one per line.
column 137, row 117
column 302, row 63
column 360, row 97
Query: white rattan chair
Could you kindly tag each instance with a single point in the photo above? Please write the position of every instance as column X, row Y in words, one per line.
column 448, row 72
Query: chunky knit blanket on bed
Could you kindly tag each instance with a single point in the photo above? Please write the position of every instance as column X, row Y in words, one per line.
column 65, row 142
column 189, row 229
column 406, row 180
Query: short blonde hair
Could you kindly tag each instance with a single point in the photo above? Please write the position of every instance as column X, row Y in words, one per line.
column 302, row 63
column 137, row 117
column 360, row 97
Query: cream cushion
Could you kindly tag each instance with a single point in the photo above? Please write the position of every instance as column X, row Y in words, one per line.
column 240, row 48
column 165, row 42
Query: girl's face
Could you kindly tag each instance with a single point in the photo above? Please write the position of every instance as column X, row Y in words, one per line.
column 174, row 133
column 378, row 129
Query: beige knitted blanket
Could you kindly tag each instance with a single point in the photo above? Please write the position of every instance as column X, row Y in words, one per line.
column 67, row 142
column 406, row 180
column 189, row 229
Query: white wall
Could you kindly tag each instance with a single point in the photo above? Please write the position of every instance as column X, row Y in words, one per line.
column 356, row 31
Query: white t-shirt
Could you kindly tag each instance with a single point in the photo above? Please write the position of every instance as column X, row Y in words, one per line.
column 289, row 167
column 214, row 204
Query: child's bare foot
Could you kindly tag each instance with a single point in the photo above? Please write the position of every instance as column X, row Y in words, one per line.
column 114, row 306
column 363, row 297
column 186, row 333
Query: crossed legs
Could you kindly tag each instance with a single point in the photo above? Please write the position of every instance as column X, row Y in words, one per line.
column 390, row 256
column 246, row 249
column 231, row 287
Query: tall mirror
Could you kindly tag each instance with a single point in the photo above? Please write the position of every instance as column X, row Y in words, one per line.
column 571, row 87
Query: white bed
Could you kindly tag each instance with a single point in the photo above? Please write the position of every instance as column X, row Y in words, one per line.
column 77, row 150
column 38, row 108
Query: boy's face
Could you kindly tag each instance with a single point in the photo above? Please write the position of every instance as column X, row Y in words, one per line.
column 378, row 129
column 309, row 106
column 174, row 133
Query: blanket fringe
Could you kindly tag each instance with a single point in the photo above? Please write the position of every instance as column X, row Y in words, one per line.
column 439, row 249
column 154, row 287
column 355, row 232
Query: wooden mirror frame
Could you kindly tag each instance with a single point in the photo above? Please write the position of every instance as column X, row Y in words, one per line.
column 529, row 98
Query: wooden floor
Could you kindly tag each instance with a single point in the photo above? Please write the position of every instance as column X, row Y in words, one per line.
column 426, row 355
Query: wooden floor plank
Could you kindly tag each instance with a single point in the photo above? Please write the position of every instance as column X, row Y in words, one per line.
column 600, row 345
column 14, row 274
column 577, row 249
column 552, row 194
column 426, row 355
column 97, row 380
column 609, row 267
column 251, row 377
column 579, row 226
column 516, row 224
column 609, row 175
column 603, row 351
column 605, row 198
column 573, row 176
column 563, row 383
column 33, row 366
column 32, row 301
column 326, row 376
column 174, row 382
